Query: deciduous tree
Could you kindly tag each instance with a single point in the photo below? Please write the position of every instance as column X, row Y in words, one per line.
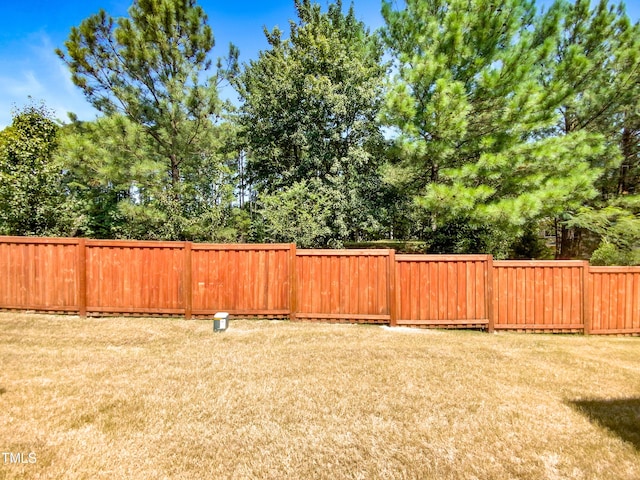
column 309, row 112
column 33, row 196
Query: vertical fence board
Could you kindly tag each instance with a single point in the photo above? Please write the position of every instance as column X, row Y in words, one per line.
column 187, row 290
column 490, row 306
column 481, row 287
column 606, row 293
column 293, row 284
column 627, row 303
column 463, row 291
column 391, row 289
column 82, row 277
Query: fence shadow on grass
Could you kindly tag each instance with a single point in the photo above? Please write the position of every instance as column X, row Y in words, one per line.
column 620, row 416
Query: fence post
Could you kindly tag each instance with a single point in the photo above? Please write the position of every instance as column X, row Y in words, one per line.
column 82, row 277
column 586, row 298
column 187, row 282
column 293, row 283
column 391, row 288
column 490, row 300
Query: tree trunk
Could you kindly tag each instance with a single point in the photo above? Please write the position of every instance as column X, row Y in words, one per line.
column 570, row 245
column 625, row 178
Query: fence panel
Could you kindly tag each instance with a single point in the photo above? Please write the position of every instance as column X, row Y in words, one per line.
column 442, row 291
column 132, row 277
column 243, row 280
column 614, row 300
column 370, row 286
column 539, row 295
column 39, row 274
column 343, row 285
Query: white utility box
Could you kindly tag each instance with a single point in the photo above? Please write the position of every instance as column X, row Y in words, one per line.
column 220, row 321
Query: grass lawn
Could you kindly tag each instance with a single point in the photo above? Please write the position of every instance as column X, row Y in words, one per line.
column 169, row 399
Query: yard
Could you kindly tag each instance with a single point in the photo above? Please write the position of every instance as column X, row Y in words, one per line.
column 165, row 398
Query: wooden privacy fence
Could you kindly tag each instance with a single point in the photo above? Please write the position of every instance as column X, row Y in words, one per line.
column 442, row 290
column 613, row 301
column 343, row 285
column 100, row 277
column 540, row 295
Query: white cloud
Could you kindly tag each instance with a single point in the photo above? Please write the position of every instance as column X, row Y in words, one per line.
column 27, row 85
column 37, row 72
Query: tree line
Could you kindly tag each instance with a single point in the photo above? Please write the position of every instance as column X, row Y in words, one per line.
column 475, row 126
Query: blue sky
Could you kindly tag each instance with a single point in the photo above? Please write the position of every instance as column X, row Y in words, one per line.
column 31, row 30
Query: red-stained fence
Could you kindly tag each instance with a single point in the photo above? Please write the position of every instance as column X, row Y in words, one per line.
column 443, row 291
column 127, row 277
column 539, row 295
column 343, row 285
column 111, row 277
column 243, row 280
column 614, row 300
column 100, row 277
column 39, row 274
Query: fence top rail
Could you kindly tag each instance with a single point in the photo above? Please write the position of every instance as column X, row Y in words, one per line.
column 441, row 258
column 40, row 240
column 539, row 263
column 180, row 245
column 343, row 252
column 617, row 269
column 241, row 246
column 134, row 244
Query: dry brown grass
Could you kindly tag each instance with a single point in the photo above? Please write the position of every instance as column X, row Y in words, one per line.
column 159, row 398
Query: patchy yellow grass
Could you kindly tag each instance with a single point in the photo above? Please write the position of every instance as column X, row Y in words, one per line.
column 171, row 399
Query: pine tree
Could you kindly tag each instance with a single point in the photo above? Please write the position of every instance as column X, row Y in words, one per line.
column 112, row 169
column 472, row 116
column 597, row 59
column 151, row 68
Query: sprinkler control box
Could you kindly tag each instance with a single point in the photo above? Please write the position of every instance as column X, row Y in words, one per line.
column 220, row 321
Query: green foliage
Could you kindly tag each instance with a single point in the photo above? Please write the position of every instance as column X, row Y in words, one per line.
column 597, row 64
column 476, row 106
column 147, row 73
column 108, row 161
column 33, row 198
column 310, row 102
column 500, row 120
column 461, row 235
column 124, row 188
column 531, row 245
column 617, row 225
column 309, row 113
column 400, row 246
column 608, row 254
column 300, row 213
